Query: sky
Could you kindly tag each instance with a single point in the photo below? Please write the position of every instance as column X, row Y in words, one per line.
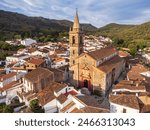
column 96, row 12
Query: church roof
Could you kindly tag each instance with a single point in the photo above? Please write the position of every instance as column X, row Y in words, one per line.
column 102, row 53
column 107, row 66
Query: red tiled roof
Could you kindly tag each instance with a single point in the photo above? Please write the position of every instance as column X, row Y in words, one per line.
column 125, row 84
column 38, row 74
column 9, row 86
column 125, row 100
column 135, row 72
column 72, row 92
column 110, row 64
column 36, row 61
column 123, row 54
column 61, row 98
column 102, row 53
column 7, row 76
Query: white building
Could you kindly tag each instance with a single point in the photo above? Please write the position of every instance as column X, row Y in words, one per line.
column 16, row 58
column 124, row 104
column 7, row 78
column 9, row 92
column 28, row 42
column 59, row 62
column 43, row 53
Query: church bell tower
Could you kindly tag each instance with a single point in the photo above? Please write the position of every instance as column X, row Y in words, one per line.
column 75, row 41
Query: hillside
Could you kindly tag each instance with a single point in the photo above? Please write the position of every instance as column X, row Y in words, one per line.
column 126, row 32
column 13, row 23
column 131, row 36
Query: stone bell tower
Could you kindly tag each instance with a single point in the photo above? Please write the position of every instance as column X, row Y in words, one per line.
column 75, row 41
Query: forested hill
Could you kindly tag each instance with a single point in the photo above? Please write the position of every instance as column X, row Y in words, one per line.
column 130, row 36
column 13, row 24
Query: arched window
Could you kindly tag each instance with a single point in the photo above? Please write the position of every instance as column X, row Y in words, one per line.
column 73, row 40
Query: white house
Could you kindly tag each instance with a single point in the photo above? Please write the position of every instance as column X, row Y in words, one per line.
column 43, row 53
column 59, row 62
column 124, row 104
column 9, row 91
column 16, row 58
column 7, row 78
column 28, row 42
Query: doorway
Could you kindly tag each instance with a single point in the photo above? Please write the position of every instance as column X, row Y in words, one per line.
column 86, row 83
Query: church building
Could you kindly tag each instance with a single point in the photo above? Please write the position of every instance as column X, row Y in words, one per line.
column 96, row 70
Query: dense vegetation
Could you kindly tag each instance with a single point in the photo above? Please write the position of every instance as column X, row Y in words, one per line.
column 6, row 108
column 133, row 37
column 42, row 29
column 35, row 107
column 7, row 49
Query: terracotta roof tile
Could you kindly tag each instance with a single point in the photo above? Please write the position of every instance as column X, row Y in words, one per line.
column 135, row 72
column 67, row 107
column 57, row 86
column 38, row 74
column 125, row 84
column 110, row 64
column 10, row 85
column 125, row 100
column 88, row 100
column 45, row 96
column 89, row 109
column 61, row 98
column 6, row 76
column 36, row 61
column 123, row 54
column 102, row 53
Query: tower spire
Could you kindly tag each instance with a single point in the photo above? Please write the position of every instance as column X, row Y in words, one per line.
column 76, row 24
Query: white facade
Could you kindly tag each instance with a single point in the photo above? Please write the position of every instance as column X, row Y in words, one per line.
column 9, row 94
column 39, row 53
column 116, row 108
column 16, row 58
column 27, row 85
column 57, row 64
column 8, row 80
column 51, row 107
column 28, row 42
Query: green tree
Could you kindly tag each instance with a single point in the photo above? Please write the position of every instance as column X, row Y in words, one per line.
column 8, row 109
column 35, row 107
column 17, row 36
column 133, row 49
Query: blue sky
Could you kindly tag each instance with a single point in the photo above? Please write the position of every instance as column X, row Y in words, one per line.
column 96, row 12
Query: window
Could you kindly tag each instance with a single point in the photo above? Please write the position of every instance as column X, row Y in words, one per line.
column 124, row 110
column 73, row 61
column 73, row 52
column 73, row 40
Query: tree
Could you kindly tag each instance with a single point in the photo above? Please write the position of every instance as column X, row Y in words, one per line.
column 133, row 49
column 17, row 36
column 8, row 109
column 35, row 107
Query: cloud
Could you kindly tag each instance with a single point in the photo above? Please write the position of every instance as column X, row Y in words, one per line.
column 96, row 12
